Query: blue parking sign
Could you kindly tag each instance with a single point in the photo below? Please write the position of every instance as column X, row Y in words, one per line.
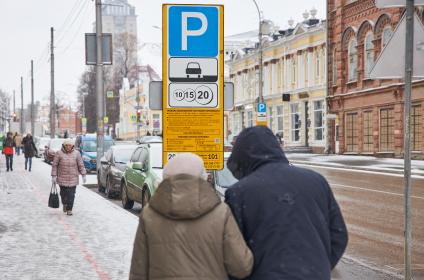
column 261, row 107
column 193, row 31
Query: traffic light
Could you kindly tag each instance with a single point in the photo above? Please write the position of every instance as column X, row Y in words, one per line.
column 138, row 115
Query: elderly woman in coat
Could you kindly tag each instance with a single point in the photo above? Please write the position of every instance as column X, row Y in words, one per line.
column 186, row 232
column 66, row 168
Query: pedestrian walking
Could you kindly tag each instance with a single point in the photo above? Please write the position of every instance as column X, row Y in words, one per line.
column 288, row 214
column 30, row 150
column 18, row 143
column 186, row 232
column 8, row 144
column 66, row 168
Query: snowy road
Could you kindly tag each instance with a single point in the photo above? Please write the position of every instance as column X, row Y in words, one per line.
column 96, row 243
column 372, row 205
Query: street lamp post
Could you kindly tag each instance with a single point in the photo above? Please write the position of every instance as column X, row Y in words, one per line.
column 261, row 97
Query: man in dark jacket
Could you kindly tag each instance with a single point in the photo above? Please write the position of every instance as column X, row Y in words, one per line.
column 30, row 150
column 288, row 215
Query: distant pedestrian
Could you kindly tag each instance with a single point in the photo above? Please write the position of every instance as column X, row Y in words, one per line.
column 30, row 150
column 186, row 232
column 66, row 168
column 288, row 214
column 8, row 144
column 18, row 143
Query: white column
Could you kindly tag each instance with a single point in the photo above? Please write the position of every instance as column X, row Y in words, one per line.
column 311, row 76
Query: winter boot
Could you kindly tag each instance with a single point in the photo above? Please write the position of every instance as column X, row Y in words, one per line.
column 64, row 208
column 69, row 213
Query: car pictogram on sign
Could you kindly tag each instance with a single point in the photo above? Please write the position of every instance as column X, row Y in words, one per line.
column 193, row 68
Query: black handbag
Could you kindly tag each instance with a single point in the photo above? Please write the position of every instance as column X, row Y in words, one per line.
column 54, row 197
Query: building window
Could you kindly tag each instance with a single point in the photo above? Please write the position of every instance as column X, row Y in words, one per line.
column 369, row 54
column 387, row 138
column 319, row 120
column 295, row 122
column 334, row 68
column 249, row 118
column 271, row 118
column 353, row 60
column 351, row 132
column 387, row 34
column 236, row 124
column 280, row 120
column 368, row 139
column 416, row 134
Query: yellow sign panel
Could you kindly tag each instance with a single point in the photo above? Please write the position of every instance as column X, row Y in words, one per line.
column 105, row 119
column 193, row 82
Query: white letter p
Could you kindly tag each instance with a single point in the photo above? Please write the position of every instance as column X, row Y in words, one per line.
column 197, row 32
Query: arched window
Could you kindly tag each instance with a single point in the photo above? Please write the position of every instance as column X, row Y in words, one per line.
column 369, row 54
column 387, row 34
column 353, row 60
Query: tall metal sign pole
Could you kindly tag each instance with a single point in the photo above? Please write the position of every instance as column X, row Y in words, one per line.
column 22, row 107
column 409, row 51
column 32, row 98
column 52, row 98
column 137, row 100
column 99, row 82
column 261, row 88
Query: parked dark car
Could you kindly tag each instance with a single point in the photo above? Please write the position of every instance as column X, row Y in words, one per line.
column 113, row 165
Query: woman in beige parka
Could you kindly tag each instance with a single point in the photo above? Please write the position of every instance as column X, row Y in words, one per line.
column 186, row 232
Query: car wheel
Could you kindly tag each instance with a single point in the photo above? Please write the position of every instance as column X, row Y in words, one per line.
column 126, row 202
column 99, row 184
column 145, row 197
column 108, row 192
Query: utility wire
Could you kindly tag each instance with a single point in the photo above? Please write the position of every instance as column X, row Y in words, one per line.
column 68, row 17
column 77, row 16
column 69, row 21
column 76, row 33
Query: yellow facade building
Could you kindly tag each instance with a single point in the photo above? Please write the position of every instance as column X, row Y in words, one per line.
column 294, row 86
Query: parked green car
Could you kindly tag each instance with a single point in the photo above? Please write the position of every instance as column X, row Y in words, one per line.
column 142, row 175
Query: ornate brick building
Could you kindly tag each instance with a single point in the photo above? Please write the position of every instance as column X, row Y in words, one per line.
column 369, row 113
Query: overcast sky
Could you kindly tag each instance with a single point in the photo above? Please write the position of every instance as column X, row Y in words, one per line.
column 25, row 32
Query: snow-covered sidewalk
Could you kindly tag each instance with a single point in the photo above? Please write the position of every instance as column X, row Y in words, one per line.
column 37, row 242
column 367, row 163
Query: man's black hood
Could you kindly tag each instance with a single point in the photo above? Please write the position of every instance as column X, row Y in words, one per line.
column 254, row 147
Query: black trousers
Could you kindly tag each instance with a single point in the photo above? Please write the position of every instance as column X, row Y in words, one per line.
column 9, row 162
column 67, row 194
